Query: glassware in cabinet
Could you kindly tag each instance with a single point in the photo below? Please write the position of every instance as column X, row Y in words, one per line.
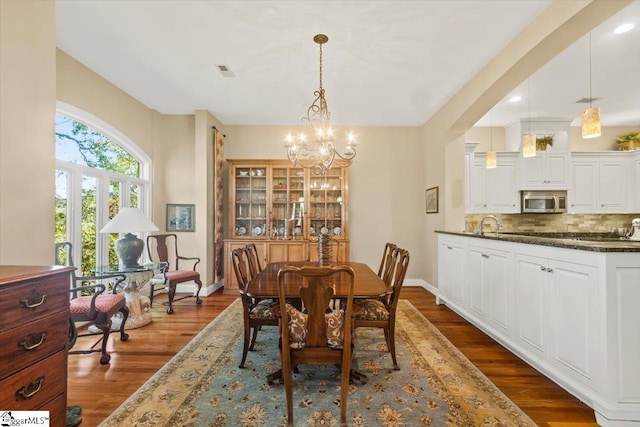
column 326, row 207
column 250, row 201
column 287, row 201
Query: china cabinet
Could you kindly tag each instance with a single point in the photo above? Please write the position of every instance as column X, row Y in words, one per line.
column 283, row 209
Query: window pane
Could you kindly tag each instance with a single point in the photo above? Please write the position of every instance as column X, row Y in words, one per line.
column 114, row 203
column 133, row 194
column 61, row 206
column 78, row 143
column 88, row 215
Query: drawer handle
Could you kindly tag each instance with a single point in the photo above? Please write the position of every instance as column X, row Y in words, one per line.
column 30, row 304
column 28, row 391
column 485, row 256
column 29, row 343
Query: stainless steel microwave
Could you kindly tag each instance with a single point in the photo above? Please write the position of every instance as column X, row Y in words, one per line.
column 544, row 201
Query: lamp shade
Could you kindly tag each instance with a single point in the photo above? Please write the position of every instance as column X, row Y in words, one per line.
column 129, row 220
column 528, row 145
column 492, row 160
column 130, row 247
column 591, row 123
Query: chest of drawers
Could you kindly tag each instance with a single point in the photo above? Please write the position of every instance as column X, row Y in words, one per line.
column 34, row 332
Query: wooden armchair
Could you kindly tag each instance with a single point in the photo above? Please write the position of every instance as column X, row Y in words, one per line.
column 381, row 313
column 255, row 313
column 317, row 335
column 90, row 303
column 163, row 248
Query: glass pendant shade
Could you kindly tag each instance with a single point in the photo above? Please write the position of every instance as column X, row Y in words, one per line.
column 528, row 145
column 591, row 123
column 492, row 159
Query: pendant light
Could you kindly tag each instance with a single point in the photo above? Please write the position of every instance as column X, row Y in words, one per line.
column 529, row 139
column 492, row 160
column 590, row 117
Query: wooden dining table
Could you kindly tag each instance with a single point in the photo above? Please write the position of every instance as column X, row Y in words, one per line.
column 366, row 284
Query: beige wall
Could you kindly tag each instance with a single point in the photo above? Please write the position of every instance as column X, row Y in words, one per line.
column 560, row 25
column 386, row 200
column 387, row 179
column 27, row 126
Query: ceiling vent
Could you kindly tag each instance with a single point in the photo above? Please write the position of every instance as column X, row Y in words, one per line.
column 586, row 100
column 225, row 71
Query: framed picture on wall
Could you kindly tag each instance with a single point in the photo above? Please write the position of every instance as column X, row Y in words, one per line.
column 181, row 217
column 431, row 200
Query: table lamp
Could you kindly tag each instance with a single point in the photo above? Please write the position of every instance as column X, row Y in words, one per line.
column 130, row 247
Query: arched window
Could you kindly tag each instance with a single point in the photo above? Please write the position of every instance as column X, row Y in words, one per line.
column 98, row 170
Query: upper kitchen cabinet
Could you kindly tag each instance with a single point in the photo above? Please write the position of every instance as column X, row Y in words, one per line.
column 600, row 182
column 545, row 171
column 549, row 169
column 492, row 190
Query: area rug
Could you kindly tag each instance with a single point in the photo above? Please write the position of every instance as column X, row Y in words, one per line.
column 203, row 386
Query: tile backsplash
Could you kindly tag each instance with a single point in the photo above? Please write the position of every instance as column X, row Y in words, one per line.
column 554, row 222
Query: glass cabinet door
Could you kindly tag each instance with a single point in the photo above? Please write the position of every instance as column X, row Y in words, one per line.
column 326, row 209
column 251, row 201
column 287, row 201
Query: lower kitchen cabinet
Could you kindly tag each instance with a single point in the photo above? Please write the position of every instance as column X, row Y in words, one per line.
column 488, row 279
column 571, row 314
column 451, row 253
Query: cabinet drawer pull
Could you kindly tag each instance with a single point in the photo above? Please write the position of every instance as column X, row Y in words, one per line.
column 28, row 391
column 449, row 247
column 542, row 268
column 549, row 270
column 485, row 256
column 32, row 341
column 33, row 304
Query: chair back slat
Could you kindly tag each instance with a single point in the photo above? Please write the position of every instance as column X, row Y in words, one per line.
column 238, row 260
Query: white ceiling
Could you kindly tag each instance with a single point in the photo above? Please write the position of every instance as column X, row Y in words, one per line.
column 387, row 63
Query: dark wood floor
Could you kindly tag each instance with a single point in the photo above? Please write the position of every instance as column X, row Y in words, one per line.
column 99, row 390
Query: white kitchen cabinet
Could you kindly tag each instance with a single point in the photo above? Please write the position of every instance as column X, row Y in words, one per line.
column 493, row 190
column 488, row 283
column 557, row 314
column 600, row 183
column 574, row 313
column 545, row 171
column 451, row 254
column 531, row 302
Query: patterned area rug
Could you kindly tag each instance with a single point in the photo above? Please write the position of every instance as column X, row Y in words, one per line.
column 203, row 386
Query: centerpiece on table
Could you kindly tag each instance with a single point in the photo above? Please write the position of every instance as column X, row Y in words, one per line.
column 629, row 141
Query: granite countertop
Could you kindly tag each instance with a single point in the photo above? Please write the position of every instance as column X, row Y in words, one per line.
column 595, row 242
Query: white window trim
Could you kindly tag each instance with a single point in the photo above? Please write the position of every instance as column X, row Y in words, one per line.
column 74, row 182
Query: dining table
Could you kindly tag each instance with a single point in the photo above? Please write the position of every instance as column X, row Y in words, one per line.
column 366, row 284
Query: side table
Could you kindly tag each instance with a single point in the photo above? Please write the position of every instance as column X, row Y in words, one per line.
column 139, row 305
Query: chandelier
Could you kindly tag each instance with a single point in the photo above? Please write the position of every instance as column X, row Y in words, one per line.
column 319, row 151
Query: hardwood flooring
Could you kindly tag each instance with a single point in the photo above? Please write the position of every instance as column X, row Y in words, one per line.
column 99, row 389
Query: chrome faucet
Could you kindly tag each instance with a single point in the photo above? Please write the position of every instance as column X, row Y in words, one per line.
column 493, row 217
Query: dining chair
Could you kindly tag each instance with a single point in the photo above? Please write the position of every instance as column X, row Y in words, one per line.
column 381, row 312
column 256, row 313
column 163, row 248
column 318, row 334
column 388, row 262
column 90, row 303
